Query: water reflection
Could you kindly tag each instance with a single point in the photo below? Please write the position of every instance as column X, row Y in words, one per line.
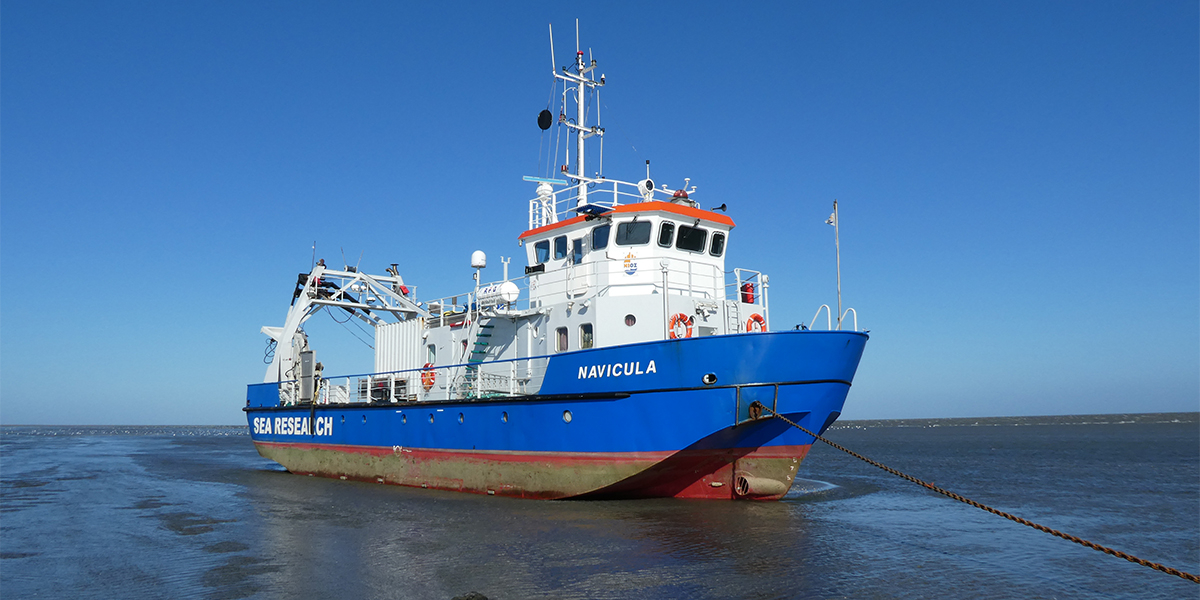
column 138, row 515
column 440, row 544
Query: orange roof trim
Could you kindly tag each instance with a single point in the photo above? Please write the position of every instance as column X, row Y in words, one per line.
column 686, row 211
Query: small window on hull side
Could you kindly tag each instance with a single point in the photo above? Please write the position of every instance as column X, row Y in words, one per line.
column 718, row 244
column 541, row 251
column 560, row 339
column 585, row 336
column 666, row 234
column 577, row 251
column 560, row 247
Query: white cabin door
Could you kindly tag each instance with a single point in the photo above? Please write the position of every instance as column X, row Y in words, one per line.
column 579, row 273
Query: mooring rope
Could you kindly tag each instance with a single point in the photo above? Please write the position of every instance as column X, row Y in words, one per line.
column 1014, row 518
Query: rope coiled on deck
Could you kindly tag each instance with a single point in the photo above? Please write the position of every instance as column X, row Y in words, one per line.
column 1014, row 518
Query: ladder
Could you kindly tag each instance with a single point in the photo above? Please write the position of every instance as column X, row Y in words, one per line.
column 471, row 387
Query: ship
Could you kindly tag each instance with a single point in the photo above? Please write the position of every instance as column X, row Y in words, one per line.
column 626, row 361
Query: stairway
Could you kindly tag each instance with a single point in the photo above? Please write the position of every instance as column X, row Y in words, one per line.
column 471, row 388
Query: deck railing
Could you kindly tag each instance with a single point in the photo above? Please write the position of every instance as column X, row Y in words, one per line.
column 560, row 204
column 491, row 379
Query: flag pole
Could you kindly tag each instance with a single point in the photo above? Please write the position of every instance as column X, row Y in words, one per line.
column 837, row 246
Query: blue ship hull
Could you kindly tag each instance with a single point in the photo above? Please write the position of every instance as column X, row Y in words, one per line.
column 673, row 418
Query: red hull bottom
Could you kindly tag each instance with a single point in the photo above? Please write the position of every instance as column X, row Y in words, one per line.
column 764, row 473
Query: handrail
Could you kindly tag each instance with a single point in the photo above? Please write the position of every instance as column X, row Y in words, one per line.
column 543, row 213
column 828, row 317
column 455, row 381
column 849, row 310
column 683, row 267
column 451, row 366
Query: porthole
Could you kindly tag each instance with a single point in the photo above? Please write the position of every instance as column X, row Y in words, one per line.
column 504, row 417
column 404, row 419
column 364, row 419
column 630, row 320
column 460, row 417
column 343, row 419
column 430, row 417
column 566, row 416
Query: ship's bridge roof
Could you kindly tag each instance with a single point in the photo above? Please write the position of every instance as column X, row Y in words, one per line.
column 640, row 207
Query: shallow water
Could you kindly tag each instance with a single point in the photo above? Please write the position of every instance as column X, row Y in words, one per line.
column 167, row 512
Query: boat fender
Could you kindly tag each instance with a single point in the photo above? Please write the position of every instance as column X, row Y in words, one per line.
column 756, row 323
column 428, row 376
column 681, row 326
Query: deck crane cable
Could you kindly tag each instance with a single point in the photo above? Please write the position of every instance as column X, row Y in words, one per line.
column 370, row 334
column 349, row 315
column 1013, row 518
column 343, row 324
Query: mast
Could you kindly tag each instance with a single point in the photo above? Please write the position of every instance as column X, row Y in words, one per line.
column 580, row 119
column 576, row 75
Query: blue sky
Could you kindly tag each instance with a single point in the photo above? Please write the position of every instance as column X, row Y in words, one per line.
column 1018, row 182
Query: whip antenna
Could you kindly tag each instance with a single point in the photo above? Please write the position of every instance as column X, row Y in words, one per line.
column 553, row 66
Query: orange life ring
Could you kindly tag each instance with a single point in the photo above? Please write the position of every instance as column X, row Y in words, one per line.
column 428, row 376
column 756, row 323
column 677, row 320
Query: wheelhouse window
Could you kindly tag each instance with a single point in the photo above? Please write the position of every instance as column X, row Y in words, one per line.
column 718, row 244
column 541, row 251
column 600, row 237
column 577, row 251
column 691, row 238
column 585, row 335
column 666, row 234
column 560, row 339
column 560, row 247
column 633, row 233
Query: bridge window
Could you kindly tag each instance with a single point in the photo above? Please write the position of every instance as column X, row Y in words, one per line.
column 633, row 233
column 560, row 339
column 585, row 335
column 691, row 238
column 600, row 237
column 666, row 234
column 560, row 247
column 718, row 244
column 541, row 251
column 577, row 251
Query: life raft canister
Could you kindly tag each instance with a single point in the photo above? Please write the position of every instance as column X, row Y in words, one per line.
column 747, row 293
column 681, row 326
column 756, row 323
column 428, row 376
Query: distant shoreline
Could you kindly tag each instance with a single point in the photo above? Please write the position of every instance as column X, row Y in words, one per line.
column 1095, row 419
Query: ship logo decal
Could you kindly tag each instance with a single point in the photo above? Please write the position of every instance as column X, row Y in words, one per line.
column 616, row 370
column 293, row 425
column 630, row 264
